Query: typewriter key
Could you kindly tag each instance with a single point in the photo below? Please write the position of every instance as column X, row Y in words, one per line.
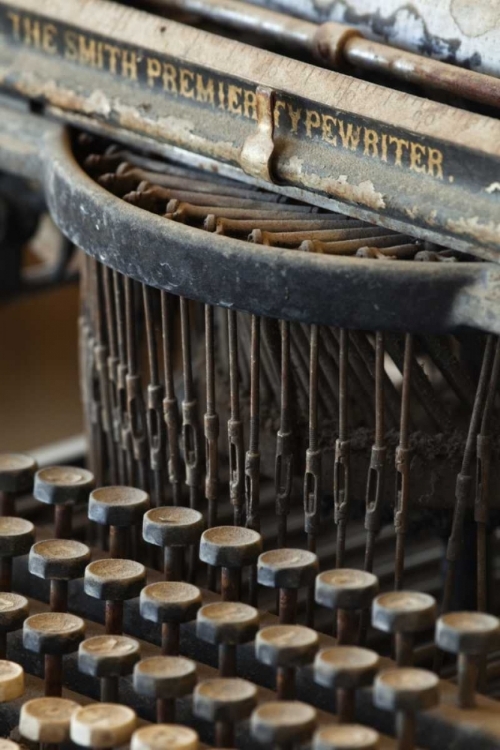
column 230, row 548
column 108, row 657
column 58, row 561
column 170, row 604
column 114, row 581
column 286, row 647
column 227, row 624
column 287, row 570
column 53, row 634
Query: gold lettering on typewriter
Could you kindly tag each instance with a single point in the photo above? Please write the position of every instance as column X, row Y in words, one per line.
column 338, row 130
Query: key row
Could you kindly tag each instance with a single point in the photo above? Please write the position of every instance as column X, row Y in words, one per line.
column 225, row 702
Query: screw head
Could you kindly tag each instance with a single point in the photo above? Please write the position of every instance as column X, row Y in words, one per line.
column 346, row 588
column 287, row 568
column 347, row 667
column 468, row 632
column 170, row 601
column 286, row 645
column 406, row 689
column 227, row 622
column 117, row 506
column 230, row 546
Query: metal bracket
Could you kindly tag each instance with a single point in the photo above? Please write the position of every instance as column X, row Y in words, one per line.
column 257, row 151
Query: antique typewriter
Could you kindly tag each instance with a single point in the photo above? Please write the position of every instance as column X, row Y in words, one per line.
column 284, row 531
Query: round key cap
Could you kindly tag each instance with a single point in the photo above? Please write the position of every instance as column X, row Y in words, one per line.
column 345, row 669
column 61, row 484
column 172, row 601
column 108, row 655
column 286, row 647
column 120, row 508
column 469, row 635
column 163, row 737
column 282, row 723
column 345, row 588
column 102, row 725
column 170, row 604
column 165, row 678
column 117, row 506
column 347, row 591
column 227, row 624
column 287, row 570
column 11, row 681
column 172, row 526
column 406, row 689
column 16, row 536
column 47, row 720
column 468, row 632
column 114, row 580
column 53, row 634
column 345, row 737
column 59, row 559
column 9, row 745
column 404, row 613
column 230, row 546
column 227, row 700
column 16, row 472
column 13, row 612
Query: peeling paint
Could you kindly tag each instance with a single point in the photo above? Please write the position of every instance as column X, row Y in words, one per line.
column 483, row 233
column 363, row 193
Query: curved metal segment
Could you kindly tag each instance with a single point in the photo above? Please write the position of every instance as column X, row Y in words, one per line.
column 288, row 284
column 273, row 282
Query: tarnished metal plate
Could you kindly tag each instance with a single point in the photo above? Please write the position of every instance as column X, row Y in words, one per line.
column 408, row 160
